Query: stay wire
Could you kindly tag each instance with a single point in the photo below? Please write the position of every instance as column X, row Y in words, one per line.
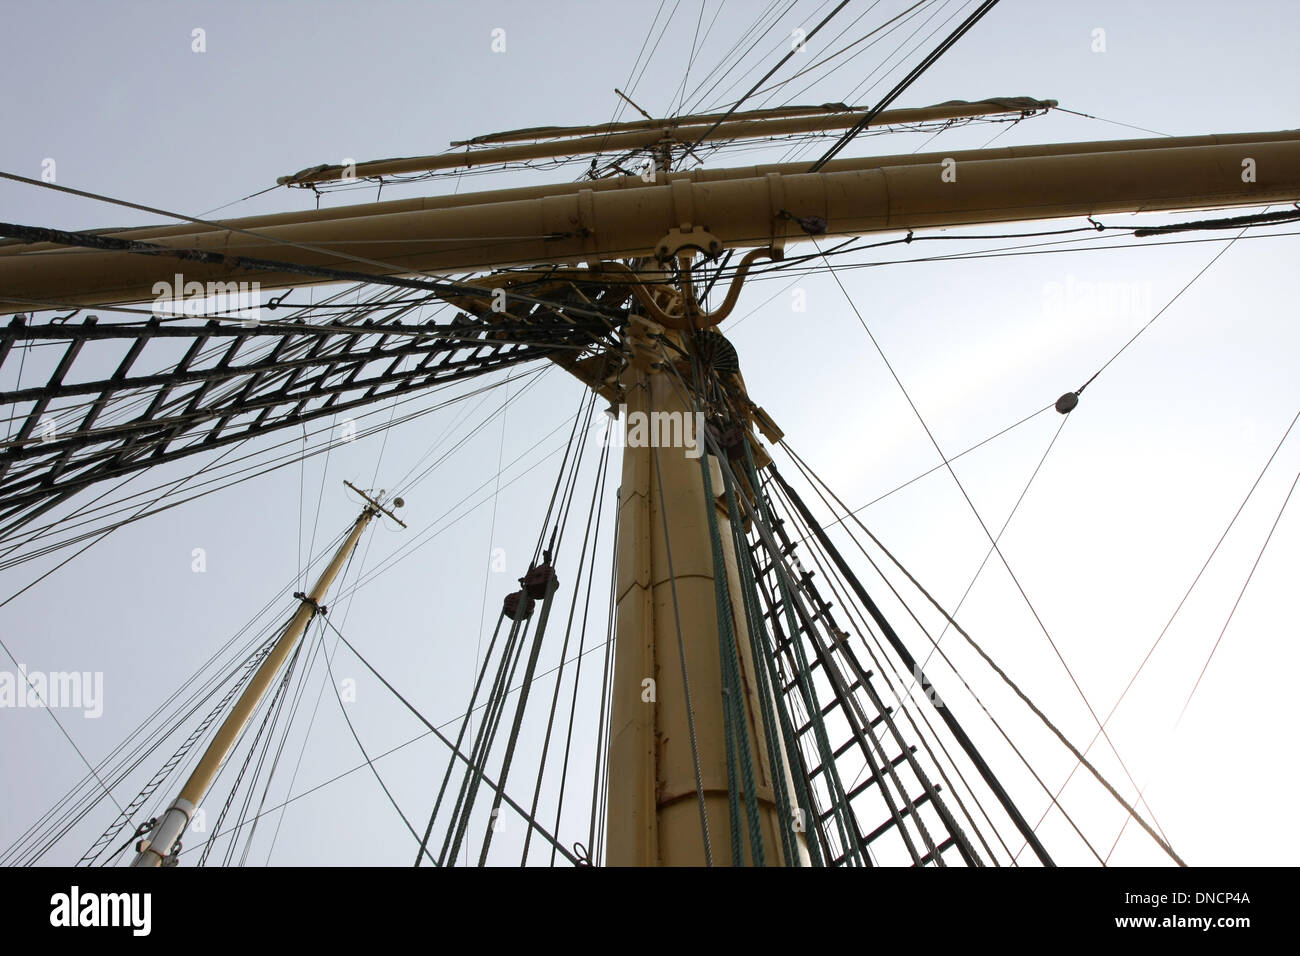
column 1019, row 693
column 460, row 735
column 987, row 533
column 930, row 471
column 1188, row 593
column 885, row 30
column 1062, row 109
column 604, row 713
column 690, row 62
column 743, row 45
column 767, row 76
column 360, row 746
column 1002, row 531
column 467, row 791
column 597, row 487
column 492, row 532
column 844, row 49
column 1237, row 603
column 761, row 56
column 814, row 481
column 533, row 824
column 512, row 741
column 577, row 677
column 840, row 590
column 512, row 654
column 1219, row 639
column 1205, row 268
column 904, row 83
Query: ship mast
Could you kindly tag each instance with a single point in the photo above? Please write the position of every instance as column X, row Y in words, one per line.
column 681, row 607
column 160, row 849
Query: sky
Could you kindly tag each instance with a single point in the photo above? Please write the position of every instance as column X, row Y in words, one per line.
column 1137, row 488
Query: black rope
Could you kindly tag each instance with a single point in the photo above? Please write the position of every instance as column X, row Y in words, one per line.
column 510, row 654
column 767, row 76
column 1079, row 391
column 512, row 741
column 1025, row 699
column 604, row 713
column 904, row 83
column 814, row 480
column 964, row 847
column 910, row 663
column 577, row 677
column 597, row 487
column 460, row 736
column 454, row 748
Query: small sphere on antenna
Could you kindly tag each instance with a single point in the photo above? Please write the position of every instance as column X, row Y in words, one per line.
column 399, row 502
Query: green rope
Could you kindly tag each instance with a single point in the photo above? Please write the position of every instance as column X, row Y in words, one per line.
column 731, row 676
column 737, row 734
column 783, row 710
column 755, row 626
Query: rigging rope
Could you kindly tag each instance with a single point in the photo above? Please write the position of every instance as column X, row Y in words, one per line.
column 793, row 50
column 552, row 584
column 1151, row 650
column 596, row 497
column 1219, row 639
column 1205, row 268
column 1019, row 693
column 903, row 84
column 272, row 711
column 455, row 748
column 865, row 629
column 681, row 656
column 737, row 729
column 1002, row 557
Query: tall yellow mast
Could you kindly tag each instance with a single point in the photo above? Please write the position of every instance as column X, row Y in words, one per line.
column 667, row 580
column 159, row 848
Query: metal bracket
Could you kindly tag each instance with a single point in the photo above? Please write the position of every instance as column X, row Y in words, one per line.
column 688, row 237
column 691, row 316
